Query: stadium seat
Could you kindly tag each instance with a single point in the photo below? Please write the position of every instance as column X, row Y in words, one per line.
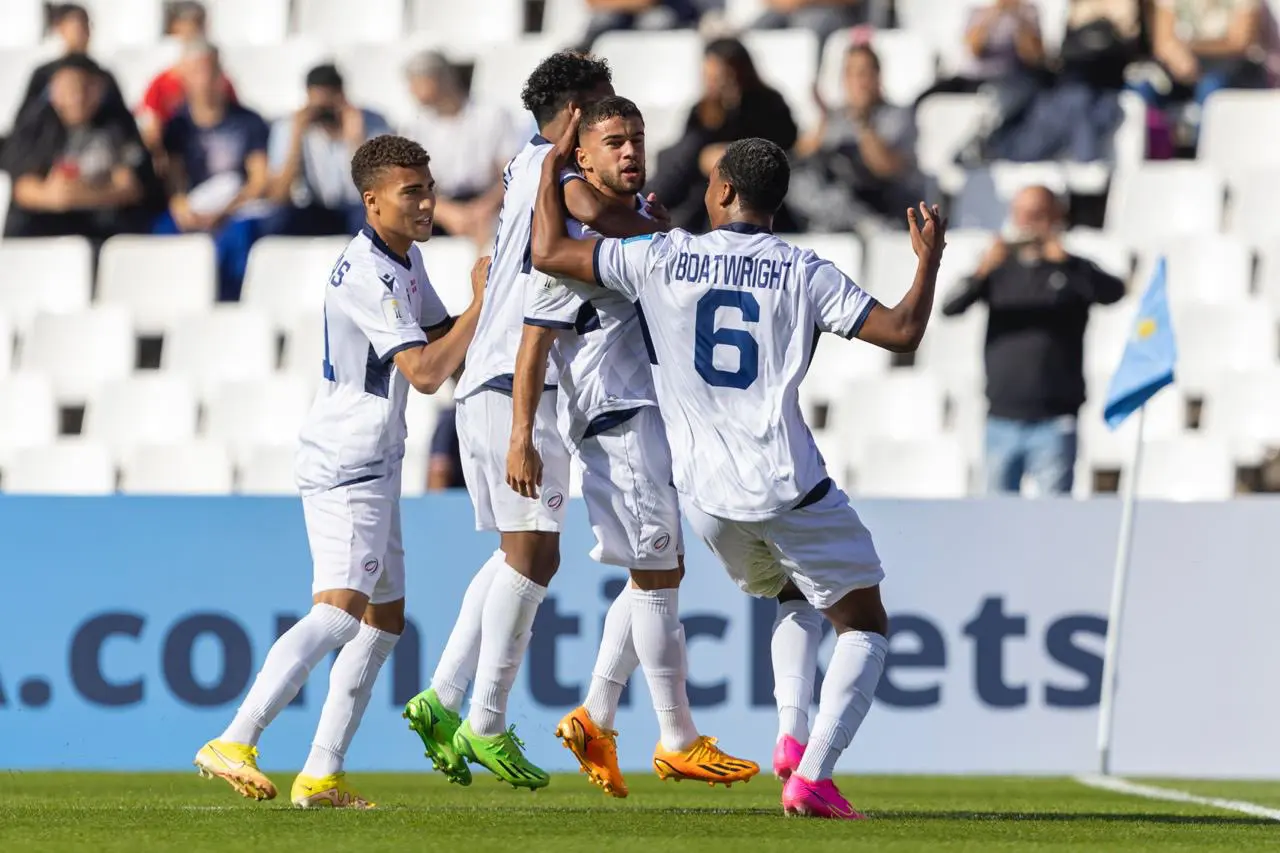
column 1191, row 468
column 843, row 250
column 142, row 409
column 287, row 276
column 192, row 468
column 565, row 22
column 270, row 77
column 63, row 468
column 125, row 23
column 922, row 469
column 234, row 23
column 1232, row 124
column 907, row 65
column 1250, row 198
column 413, row 477
column 250, row 414
column 836, row 364
column 788, row 61
column 304, row 346
column 230, row 343
column 984, row 200
column 941, row 24
column 1213, row 269
column 28, row 414
column 1105, row 449
column 1105, row 336
column 945, row 124
column 658, row 68
column 268, row 471
column 663, row 127
column 500, row 75
column 739, row 14
column 1111, row 254
column 373, row 75
column 23, row 24
column 44, row 276
column 900, row 405
column 6, row 345
column 16, row 65
column 422, row 411
column 952, row 349
column 476, row 21
column 135, row 66
column 80, row 352
column 449, row 261
column 1217, row 339
column 160, row 280
column 890, row 264
column 1243, row 409
column 1164, row 200
column 333, row 21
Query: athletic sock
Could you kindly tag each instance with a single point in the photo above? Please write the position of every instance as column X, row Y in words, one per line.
column 659, row 639
column 457, row 666
column 506, row 626
column 615, row 663
column 797, row 633
column 847, row 692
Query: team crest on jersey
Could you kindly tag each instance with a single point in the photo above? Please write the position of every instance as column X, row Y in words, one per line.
column 661, row 541
column 370, row 566
column 554, row 500
column 391, row 310
column 413, row 286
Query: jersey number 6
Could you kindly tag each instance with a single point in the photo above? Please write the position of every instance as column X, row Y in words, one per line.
column 708, row 337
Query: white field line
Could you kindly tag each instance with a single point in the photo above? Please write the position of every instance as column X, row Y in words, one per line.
column 1151, row 792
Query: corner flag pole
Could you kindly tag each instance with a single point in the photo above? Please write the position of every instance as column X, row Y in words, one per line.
column 1124, row 548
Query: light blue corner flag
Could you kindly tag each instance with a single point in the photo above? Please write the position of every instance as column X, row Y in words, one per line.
column 1149, row 356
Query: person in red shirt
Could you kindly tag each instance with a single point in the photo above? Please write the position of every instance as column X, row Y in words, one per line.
column 166, row 96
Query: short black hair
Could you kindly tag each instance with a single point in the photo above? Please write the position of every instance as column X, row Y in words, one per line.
column 325, row 76
column 382, row 153
column 78, row 62
column 614, row 106
column 559, row 79
column 759, row 172
column 59, row 12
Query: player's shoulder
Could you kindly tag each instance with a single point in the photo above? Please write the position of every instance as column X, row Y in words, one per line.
column 369, row 264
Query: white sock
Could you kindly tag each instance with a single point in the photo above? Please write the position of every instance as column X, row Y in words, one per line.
column 350, row 686
column 797, row 633
column 847, row 692
column 457, row 666
column 659, row 639
column 614, row 664
column 286, row 668
column 506, row 626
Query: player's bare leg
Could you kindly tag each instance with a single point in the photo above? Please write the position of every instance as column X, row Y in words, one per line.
column 797, row 633
column 848, row 689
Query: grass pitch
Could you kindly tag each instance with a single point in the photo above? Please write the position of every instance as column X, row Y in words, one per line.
column 138, row 813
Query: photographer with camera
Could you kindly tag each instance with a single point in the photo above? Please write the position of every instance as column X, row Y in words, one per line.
column 1038, row 299
column 309, row 157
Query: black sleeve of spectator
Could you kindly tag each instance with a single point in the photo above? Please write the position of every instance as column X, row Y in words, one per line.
column 970, row 291
column 1104, row 288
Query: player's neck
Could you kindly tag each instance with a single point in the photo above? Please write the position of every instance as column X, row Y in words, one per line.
column 397, row 244
column 754, row 220
column 614, row 195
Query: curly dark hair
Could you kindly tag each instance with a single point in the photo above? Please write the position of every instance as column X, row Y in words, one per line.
column 559, row 79
column 614, row 106
column 382, row 153
column 759, row 172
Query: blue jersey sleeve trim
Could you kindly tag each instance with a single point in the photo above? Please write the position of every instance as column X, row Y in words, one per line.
column 391, row 353
column 446, row 324
column 547, row 324
column 595, row 263
column 862, row 318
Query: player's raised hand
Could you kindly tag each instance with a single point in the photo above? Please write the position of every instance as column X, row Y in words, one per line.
column 928, row 232
column 524, row 469
column 658, row 210
column 480, row 277
column 562, row 152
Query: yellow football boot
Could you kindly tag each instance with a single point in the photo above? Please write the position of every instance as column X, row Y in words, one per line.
column 328, row 792
column 237, row 765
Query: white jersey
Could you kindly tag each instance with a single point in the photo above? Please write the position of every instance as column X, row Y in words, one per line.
column 375, row 305
column 732, row 318
column 491, row 360
column 600, row 352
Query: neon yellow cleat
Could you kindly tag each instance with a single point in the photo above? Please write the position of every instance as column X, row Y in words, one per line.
column 329, row 792
column 237, row 765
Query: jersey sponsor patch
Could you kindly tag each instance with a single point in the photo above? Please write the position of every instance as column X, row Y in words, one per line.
column 393, row 311
column 636, row 239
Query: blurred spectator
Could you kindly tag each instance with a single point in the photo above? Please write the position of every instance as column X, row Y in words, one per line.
column 469, row 143
column 1102, row 38
column 70, row 23
column 310, row 160
column 444, row 467
column 608, row 15
column 217, row 173
column 735, row 104
column 78, row 167
column 823, row 17
column 1038, row 299
column 857, row 168
column 165, row 95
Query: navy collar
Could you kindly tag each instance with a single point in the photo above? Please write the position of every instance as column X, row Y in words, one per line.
column 539, row 139
column 381, row 246
column 744, row 228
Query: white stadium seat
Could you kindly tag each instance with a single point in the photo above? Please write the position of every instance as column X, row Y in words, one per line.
column 941, row 24
column 945, row 124
column 449, row 261
column 28, row 414
column 270, row 77
column 922, row 469
column 952, row 348
column 1106, row 251
column 231, row 343
column 135, row 66
column 1243, row 409
column 657, row 68
column 6, row 345
column 1104, row 449
column 1165, row 200
column 565, row 21
column 335, row 21
column 1233, row 123
column 1105, row 336
column 1217, row 339
column 160, row 280
column 287, row 276
column 125, row 23
column 1213, row 269
column 268, row 471
column 836, row 364
column 267, row 411
column 500, row 74
column 907, row 66
column 843, row 250
column 304, row 346
column 890, row 264
column 63, row 468
column 413, row 476
column 788, row 61
column 23, row 23
column 901, row 405
column 193, row 468
column 422, row 411
column 373, row 75
column 247, row 22
column 1192, row 468
column 984, row 200
column 146, row 408
column 475, row 21
column 79, row 352
column 16, row 65
column 663, row 127
column 44, row 276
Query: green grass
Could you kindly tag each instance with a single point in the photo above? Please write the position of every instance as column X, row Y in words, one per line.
column 153, row 812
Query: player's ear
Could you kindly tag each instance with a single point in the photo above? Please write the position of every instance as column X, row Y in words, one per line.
column 727, row 194
column 370, row 201
column 582, row 159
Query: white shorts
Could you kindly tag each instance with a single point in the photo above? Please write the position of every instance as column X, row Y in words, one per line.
column 354, row 532
column 823, row 548
column 626, row 482
column 484, row 437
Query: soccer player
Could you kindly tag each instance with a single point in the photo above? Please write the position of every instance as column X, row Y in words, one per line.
column 732, row 317
column 385, row 329
column 494, row 623
column 607, row 402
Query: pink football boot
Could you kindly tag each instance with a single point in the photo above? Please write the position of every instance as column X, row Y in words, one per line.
column 816, row 799
column 786, row 757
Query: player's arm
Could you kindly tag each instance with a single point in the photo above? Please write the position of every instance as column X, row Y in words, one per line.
column 552, row 250
column 590, row 207
column 427, row 367
column 524, row 465
column 901, row 328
